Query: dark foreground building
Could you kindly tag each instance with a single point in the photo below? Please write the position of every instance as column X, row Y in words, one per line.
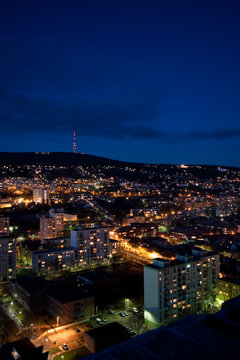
column 104, row 336
column 193, row 337
column 22, row 350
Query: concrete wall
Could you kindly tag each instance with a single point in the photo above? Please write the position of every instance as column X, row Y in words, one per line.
column 151, row 295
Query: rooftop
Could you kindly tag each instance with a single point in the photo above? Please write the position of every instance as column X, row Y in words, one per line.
column 65, row 293
column 41, row 252
column 31, row 284
column 107, row 330
column 24, row 349
column 196, row 336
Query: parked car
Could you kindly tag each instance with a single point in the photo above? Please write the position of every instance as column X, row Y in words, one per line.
column 135, row 310
column 99, row 321
column 122, row 314
column 65, row 347
column 131, row 333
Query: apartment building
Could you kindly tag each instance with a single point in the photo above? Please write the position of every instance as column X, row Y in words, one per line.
column 54, row 243
column 92, row 243
column 54, row 259
column 7, row 258
column 51, row 226
column 227, row 288
column 41, row 196
column 175, row 288
column 4, row 225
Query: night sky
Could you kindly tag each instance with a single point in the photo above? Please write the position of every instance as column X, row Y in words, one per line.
column 148, row 81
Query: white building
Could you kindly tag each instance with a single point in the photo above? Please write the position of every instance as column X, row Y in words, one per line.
column 41, row 196
column 54, row 259
column 4, row 225
column 92, row 243
column 174, row 288
column 7, row 258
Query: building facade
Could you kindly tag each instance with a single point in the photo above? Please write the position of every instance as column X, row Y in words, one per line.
column 44, row 261
column 92, row 243
column 41, row 196
column 7, row 258
column 227, row 288
column 69, row 303
column 4, row 225
column 55, row 243
column 175, row 288
column 51, row 227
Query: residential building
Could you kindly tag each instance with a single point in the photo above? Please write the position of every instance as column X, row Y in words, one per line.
column 47, row 228
column 55, row 243
column 30, row 292
column 54, row 259
column 175, row 288
column 69, row 302
column 92, row 243
column 51, row 226
column 210, row 336
column 227, row 288
column 59, row 222
column 22, row 349
column 4, row 225
column 41, row 196
column 7, row 258
column 107, row 335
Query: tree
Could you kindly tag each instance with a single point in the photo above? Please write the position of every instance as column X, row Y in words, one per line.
column 208, row 301
column 136, row 322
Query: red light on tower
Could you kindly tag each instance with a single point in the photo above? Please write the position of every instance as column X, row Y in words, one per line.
column 74, row 142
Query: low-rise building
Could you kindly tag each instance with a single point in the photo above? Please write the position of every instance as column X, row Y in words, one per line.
column 69, row 302
column 44, row 261
column 55, row 243
column 22, row 349
column 30, row 292
column 107, row 335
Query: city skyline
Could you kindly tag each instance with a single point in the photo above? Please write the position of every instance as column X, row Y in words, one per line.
column 153, row 83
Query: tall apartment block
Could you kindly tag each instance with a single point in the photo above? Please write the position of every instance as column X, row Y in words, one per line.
column 172, row 288
column 4, row 225
column 7, row 258
column 92, row 243
column 51, row 227
column 41, row 196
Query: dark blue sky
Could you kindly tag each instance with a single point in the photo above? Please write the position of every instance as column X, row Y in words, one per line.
column 147, row 81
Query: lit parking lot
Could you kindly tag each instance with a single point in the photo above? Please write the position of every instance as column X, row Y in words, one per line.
column 67, row 336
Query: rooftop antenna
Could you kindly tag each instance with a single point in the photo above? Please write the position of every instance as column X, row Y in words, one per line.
column 74, row 142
